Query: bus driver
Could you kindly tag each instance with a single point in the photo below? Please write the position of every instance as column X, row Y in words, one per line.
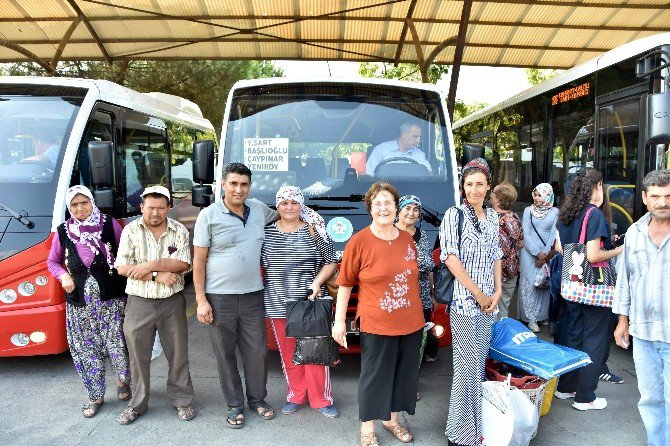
column 405, row 146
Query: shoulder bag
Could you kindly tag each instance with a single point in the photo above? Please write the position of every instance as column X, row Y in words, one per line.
column 584, row 282
column 443, row 278
column 543, row 276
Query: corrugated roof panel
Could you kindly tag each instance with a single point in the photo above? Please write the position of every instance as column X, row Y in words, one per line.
column 501, row 12
column 22, row 31
column 450, row 10
column 626, row 17
column 548, row 14
column 662, row 19
column 531, row 36
column 588, row 17
column 313, row 29
column 488, row 34
column 607, row 39
column 440, row 32
column 570, row 38
column 45, row 8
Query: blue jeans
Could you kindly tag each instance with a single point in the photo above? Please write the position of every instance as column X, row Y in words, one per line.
column 652, row 357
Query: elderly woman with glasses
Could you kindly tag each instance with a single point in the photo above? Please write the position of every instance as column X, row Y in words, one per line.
column 382, row 260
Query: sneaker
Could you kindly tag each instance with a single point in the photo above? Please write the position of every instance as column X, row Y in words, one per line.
column 564, row 395
column 329, row 411
column 611, row 378
column 598, row 403
column 290, row 408
column 533, row 327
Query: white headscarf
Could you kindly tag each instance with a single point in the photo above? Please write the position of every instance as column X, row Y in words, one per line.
column 87, row 232
column 308, row 215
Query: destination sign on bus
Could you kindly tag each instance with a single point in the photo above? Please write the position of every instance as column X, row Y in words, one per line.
column 267, row 154
column 571, row 93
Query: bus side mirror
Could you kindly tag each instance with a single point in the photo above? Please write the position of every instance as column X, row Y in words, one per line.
column 101, row 157
column 471, row 151
column 203, row 172
column 658, row 106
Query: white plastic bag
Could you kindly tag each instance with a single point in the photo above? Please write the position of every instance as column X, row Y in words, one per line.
column 526, row 417
column 509, row 418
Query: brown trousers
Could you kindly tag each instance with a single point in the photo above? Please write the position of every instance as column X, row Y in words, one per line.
column 143, row 318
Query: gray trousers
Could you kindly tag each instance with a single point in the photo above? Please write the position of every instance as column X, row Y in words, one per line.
column 239, row 321
column 508, row 288
column 143, row 318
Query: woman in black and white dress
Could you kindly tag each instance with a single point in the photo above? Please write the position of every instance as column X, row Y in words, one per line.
column 475, row 261
column 297, row 255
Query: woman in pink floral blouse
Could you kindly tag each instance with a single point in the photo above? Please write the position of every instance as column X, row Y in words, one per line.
column 502, row 199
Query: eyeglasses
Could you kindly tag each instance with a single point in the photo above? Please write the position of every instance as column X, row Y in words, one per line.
column 381, row 205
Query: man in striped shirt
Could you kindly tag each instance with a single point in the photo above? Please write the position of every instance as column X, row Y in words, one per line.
column 641, row 301
column 154, row 253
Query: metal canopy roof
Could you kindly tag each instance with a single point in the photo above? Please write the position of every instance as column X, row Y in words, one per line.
column 522, row 33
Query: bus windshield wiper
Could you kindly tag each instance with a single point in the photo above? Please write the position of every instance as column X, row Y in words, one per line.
column 430, row 216
column 21, row 218
column 353, row 198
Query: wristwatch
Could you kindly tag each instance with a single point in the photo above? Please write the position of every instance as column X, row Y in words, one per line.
column 154, row 274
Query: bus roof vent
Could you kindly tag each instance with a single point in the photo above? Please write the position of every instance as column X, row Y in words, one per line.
column 178, row 102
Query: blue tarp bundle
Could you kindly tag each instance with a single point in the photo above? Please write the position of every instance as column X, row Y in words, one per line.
column 513, row 343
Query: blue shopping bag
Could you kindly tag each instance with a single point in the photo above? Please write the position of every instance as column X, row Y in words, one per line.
column 513, row 343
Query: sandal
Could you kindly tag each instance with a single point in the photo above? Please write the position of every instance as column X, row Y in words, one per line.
column 91, row 408
column 369, row 439
column 235, row 418
column 127, row 416
column 123, row 390
column 266, row 412
column 400, row 432
column 185, row 413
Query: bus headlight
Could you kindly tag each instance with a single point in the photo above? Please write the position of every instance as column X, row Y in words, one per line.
column 20, row 339
column 38, row 337
column 8, row 296
column 26, row 289
column 41, row 280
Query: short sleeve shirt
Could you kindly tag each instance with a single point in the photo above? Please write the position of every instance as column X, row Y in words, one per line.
column 234, row 246
column 477, row 253
column 291, row 261
column 387, row 275
column 138, row 245
column 597, row 227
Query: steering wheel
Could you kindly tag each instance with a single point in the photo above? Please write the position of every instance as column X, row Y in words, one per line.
column 396, row 159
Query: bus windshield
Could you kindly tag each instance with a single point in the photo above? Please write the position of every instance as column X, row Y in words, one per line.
column 34, row 124
column 334, row 139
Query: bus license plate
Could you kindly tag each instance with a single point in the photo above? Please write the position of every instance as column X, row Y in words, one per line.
column 352, row 327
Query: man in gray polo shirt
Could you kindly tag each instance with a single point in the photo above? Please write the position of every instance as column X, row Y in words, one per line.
column 229, row 291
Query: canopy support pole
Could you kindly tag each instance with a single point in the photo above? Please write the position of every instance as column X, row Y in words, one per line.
column 419, row 51
column 29, row 54
column 95, row 36
column 458, row 57
column 63, row 43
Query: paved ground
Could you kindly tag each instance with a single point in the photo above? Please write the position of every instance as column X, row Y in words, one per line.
column 42, row 397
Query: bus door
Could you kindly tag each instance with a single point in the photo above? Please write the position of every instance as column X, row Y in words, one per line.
column 620, row 154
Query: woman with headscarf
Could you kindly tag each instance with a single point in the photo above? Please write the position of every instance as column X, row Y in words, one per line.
column 475, row 261
column 297, row 255
column 82, row 259
column 408, row 216
column 539, row 233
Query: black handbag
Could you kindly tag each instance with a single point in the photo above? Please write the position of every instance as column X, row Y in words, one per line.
column 320, row 350
column 443, row 278
column 305, row 317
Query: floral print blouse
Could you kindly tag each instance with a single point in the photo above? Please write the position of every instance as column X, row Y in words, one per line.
column 510, row 234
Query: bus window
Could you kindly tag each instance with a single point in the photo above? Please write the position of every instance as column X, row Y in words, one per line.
column 618, row 134
column 144, row 155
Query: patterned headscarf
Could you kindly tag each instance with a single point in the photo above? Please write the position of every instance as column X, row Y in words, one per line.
column 547, row 195
column 406, row 200
column 308, row 215
column 481, row 164
column 89, row 231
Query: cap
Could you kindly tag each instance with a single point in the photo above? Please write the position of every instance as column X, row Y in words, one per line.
column 162, row 190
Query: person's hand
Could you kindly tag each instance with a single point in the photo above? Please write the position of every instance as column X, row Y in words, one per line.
column 621, row 334
column 204, row 312
column 166, row 278
column 539, row 263
column 482, row 300
column 316, row 291
column 340, row 333
column 67, row 282
column 520, row 244
column 493, row 303
column 137, row 272
column 541, row 256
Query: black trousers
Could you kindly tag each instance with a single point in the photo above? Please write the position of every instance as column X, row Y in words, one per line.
column 585, row 328
column 239, row 321
column 389, row 375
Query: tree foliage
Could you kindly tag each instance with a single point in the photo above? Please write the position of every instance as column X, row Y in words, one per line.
column 205, row 82
column 537, row 76
column 404, row 71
